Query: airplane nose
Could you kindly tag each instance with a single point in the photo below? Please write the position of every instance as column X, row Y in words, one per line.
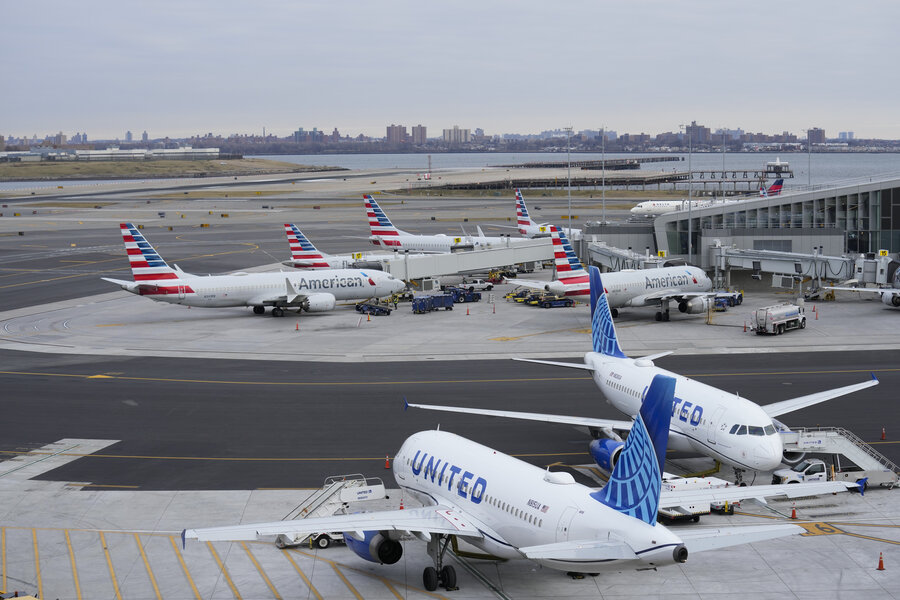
column 768, row 456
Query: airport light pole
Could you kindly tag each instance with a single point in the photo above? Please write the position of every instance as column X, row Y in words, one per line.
column 808, row 161
column 689, row 130
column 603, row 174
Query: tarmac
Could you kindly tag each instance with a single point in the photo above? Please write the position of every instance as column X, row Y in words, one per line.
column 65, row 539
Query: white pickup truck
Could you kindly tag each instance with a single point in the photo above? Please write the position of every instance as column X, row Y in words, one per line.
column 813, row 469
column 477, row 285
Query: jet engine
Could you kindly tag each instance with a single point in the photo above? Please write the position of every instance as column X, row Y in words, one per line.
column 318, row 302
column 891, row 298
column 694, row 305
column 605, row 453
column 375, row 547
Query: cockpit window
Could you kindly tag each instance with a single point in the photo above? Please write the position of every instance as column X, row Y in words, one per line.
column 734, row 429
column 770, row 430
column 742, row 430
column 754, row 430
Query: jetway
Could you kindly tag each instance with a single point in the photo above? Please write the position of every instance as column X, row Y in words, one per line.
column 617, row 259
column 788, row 267
column 409, row 267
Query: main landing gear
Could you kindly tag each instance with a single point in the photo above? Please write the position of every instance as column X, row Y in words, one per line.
column 739, row 477
column 439, row 574
column 663, row 313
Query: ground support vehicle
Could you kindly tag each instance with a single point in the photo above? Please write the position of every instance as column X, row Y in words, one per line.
column 731, row 298
column 477, row 284
column 422, row 304
column 462, row 295
column 445, row 301
column 551, row 301
column 721, row 305
column 778, row 318
column 517, row 294
column 674, row 483
column 370, row 308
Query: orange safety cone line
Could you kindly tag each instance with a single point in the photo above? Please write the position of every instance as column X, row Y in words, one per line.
column 880, row 562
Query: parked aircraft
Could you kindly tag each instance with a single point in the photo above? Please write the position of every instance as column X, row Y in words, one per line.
column 652, row 208
column 527, row 226
column 773, row 190
column 889, row 296
column 385, row 234
column 510, row 509
column 704, row 419
column 304, row 255
column 572, row 279
column 312, row 291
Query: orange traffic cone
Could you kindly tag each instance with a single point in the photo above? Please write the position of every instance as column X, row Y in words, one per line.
column 794, row 513
column 368, row 317
column 745, row 325
column 387, row 462
column 401, row 502
column 467, row 311
column 817, row 315
column 880, row 562
column 882, row 433
column 814, row 308
column 297, row 328
column 493, row 309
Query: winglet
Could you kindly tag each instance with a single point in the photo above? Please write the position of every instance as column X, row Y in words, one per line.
column 636, row 481
column 873, row 376
column 603, row 331
column 405, row 404
column 183, row 531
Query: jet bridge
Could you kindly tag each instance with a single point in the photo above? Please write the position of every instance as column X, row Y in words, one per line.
column 617, row 259
column 420, row 266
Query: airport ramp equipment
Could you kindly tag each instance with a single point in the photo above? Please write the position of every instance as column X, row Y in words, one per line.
column 337, row 492
column 842, row 442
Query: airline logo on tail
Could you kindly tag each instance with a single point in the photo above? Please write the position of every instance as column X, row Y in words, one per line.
column 603, row 330
column 773, row 189
column 302, row 250
column 147, row 266
column 636, row 482
column 379, row 224
column 568, row 267
column 523, row 219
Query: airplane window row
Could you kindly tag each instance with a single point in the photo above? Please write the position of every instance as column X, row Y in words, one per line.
column 516, row 512
column 752, row 430
column 618, row 386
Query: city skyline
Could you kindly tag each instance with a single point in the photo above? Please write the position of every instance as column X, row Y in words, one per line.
column 186, row 69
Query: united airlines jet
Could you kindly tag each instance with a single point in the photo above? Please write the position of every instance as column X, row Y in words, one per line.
column 510, row 509
column 704, row 419
column 312, row 291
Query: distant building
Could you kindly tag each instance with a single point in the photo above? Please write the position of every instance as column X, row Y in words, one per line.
column 2, row 143
column 457, row 135
column 845, row 136
column 129, row 137
column 419, row 135
column 396, row 134
column 697, row 134
column 816, row 136
column 144, row 136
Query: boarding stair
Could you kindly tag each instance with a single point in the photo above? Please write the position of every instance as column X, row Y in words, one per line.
column 837, row 440
column 337, row 492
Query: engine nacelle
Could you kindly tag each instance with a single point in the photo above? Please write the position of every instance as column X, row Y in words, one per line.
column 891, row 298
column 555, row 287
column 375, row 547
column 318, row 302
column 694, row 305
column 605, row 453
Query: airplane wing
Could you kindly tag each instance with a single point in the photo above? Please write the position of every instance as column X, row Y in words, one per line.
column 581, row 550
column 562, row 364
column 429, row 519
column 531, row 284
column 779, row 408
column 756, row 492
column 859, row 289
column 700, row 540
column 544, row 418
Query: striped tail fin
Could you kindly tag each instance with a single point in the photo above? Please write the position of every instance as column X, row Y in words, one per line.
column 379, row 224
column 603, row 330
column 146, row 263
column 303, row 254
column 523, row 219
column 636, row 482
column 568, row 267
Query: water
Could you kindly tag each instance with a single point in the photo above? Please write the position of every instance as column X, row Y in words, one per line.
column 825, row 168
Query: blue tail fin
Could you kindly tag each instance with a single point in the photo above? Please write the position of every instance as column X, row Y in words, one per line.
column 636, row 481
column 603, row 331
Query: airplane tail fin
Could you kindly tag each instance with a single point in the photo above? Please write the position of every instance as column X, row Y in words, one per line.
column 775, row 188
column 603, row 330
column 146, row 263
column 636, row 481
column 568, row 268
column 303, row 252
column 379, row 224
column 523, row 219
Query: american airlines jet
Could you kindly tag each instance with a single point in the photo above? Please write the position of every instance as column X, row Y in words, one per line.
column 572, row 279
column 704, row 419
column 510, row 509
column 304, row 255
column 385, row 234
column 312, row 291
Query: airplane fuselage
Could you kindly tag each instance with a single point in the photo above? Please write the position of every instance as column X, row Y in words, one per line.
column 631, row 287
column 257, row 289
column 703, row 416
column 517, row 505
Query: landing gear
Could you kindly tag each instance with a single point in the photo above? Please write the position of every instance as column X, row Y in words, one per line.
column 439, row 574
column 662, row 316
column 277, row 312
column 259, row 310
column 614, row 312
column 739, row 477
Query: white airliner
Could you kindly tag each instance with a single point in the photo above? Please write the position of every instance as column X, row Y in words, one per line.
column 704, row 419
column 386, row 235
column 689, row 287
column 526, row 225
column 652, row 208
column 312, row 291
column 304, row 255
column 889, row 296
column 510, row 509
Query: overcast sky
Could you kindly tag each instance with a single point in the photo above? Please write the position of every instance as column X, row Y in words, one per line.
column 186, row 67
